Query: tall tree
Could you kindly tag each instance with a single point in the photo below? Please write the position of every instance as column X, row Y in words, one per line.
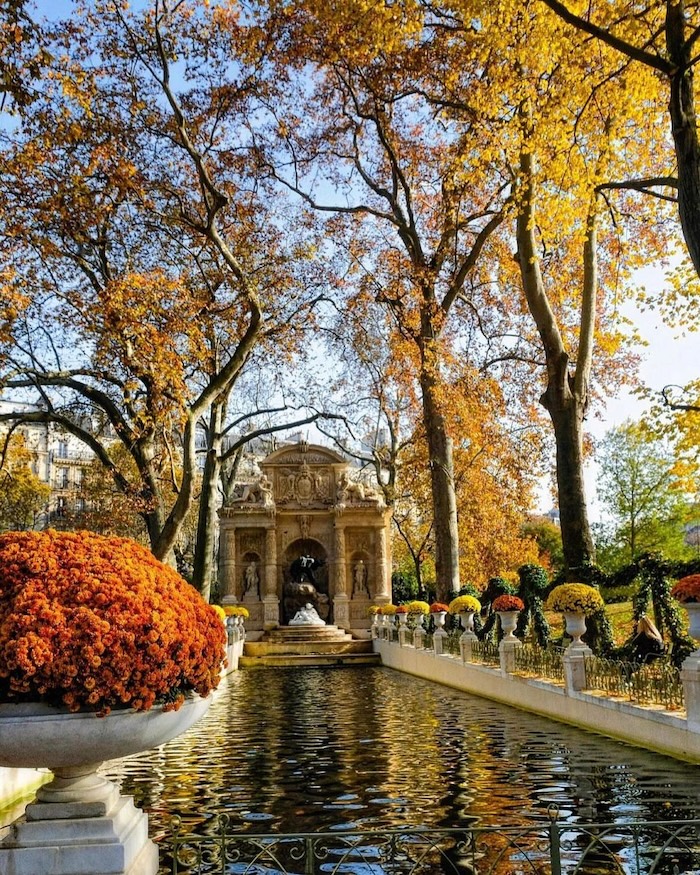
column 642, row 489
column 569, row 141
column 662, row 36
column 414, row 203
column 23, row 496
column 137, row 226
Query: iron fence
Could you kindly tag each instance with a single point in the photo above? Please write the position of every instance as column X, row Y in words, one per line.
column 655, row 683
column 534, row 661
column 549, row 847
column 486, row 652
column 450, row 644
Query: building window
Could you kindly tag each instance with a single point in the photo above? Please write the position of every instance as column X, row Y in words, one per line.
column 80, row 504
column 60, row 507
column 63, row 449
column 63, row 478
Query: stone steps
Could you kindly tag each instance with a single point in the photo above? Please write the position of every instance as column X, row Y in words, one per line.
column 309, row 660
column 277, row 648
column 307, row 645
column 306, row 633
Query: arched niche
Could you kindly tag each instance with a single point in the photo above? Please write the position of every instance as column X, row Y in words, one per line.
column 294, row 551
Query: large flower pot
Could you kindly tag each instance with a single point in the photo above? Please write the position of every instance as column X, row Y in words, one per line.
column 575, row 627
column 79, row 812
column 509, row 621
column 439, row 618
column 693, row 611
column 467, row 620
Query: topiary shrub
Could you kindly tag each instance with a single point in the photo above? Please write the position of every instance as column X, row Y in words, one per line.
column 94, row 623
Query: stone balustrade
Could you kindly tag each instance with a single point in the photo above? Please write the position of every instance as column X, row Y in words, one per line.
column 674, row 731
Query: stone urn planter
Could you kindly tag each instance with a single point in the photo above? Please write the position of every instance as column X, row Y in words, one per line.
column 509, row 621
column 687, row 592
column 575, row 622
column 693, row 611
column 104, row 651
column 79, row 818
column 508, row 607
column 466, row 618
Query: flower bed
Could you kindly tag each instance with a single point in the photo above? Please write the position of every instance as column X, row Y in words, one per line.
column 96, row 623
column 464, row 603
column 388, row 610
column 574, row 598
column 687, row 590
column 508, row 603
column 438, row 608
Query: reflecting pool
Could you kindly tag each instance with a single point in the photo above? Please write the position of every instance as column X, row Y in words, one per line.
column 302, row 750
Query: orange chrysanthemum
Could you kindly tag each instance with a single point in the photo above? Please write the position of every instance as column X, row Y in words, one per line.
column 96, row 623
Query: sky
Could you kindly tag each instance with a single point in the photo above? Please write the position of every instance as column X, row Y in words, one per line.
column 671, row 357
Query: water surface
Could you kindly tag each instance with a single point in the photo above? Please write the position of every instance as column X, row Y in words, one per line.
column 302, row 750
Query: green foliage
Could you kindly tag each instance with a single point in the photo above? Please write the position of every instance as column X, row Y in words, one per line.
column 404, row 587
column 640, row 488
column 617, row 594
column 547, row 536
column 534, row 584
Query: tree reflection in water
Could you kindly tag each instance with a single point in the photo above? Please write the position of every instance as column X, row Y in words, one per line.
column 303, row 750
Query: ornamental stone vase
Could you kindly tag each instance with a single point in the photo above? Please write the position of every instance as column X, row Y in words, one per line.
column 466, row 618
column 79, row 822
column 403, row 619
column 575, row 627
column 419, row 620
column 693, row 611
column 509, row 620
column 439, row 619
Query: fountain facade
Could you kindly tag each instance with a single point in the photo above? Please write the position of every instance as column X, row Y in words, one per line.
column 305, row 532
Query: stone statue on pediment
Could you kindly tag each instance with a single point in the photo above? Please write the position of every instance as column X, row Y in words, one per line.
column 258, row 492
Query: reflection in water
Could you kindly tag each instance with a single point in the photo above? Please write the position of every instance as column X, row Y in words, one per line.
column 302, row 750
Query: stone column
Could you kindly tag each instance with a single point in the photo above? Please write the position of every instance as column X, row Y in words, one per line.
column 339, row 563
column 574, row 660
column 690, row 675
column 506, row 650
column 439, row 636
column 383, row 575
column 466, row 643
column 271, row 603
column 227, row 565
column 341, row 607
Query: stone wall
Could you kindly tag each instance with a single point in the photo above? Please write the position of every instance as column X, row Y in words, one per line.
column 647, row 727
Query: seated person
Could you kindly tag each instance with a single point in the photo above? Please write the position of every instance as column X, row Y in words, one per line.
column 647, row 644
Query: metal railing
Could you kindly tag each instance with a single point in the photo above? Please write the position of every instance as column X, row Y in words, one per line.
column 451, row 642
column 655, row 683
column 486, row 652
column 534, row 661
column 547, row 848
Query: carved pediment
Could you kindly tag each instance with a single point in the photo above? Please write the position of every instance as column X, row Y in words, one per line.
column 303, row 454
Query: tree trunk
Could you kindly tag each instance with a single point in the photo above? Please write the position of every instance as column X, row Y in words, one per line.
column 566, row 395
column 203, row 572
column 566, row 412
column 443, row 490
column 684, row 128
